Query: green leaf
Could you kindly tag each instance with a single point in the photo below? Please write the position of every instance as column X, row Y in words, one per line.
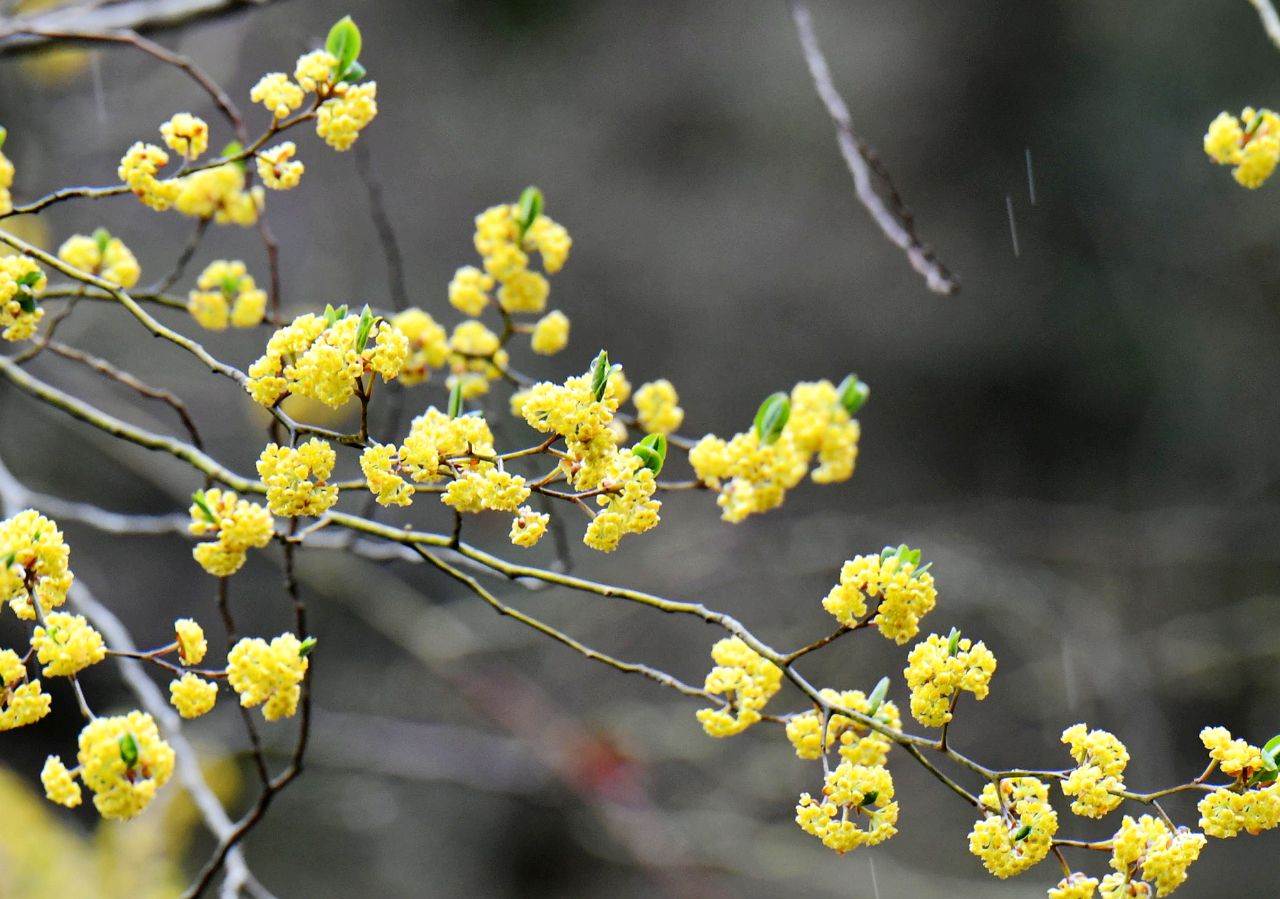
column 652, row 451
column 455, row 399
column 529, row 208
column 772, row 417
column 870, row 798
column 102, row 237
column 203, row 505
column 887, row 552
column 128, row 750
column 307, row 645
column 31, row 279
column 1023, row 832
column 4, row 134
column 601, row 370
column 26, row 301
column 853, row 394
column 332, row 315
column 953, row 641
column 367, row 321
column 876, row 699
column 344, row 44
column 7, row 559
column 1272, row 745
column 354, row 73
column 235, row 148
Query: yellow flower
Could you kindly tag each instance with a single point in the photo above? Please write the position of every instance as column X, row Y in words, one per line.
column 227, row 293
column 277, row 93
column 1250, row 143
column 192, row 696
column 1100, row 760
column 33, row 554
column 904, row 595
column 489, row 489
column 21, row 703
column 123, row 761
column 239, row 525
column 379, row 463
column 628, row 506
column 471, row 338
column 219, row 194
column 524, row 291
column 268, row 673
column 528, row 526
column 295, row 478
column 66, row 644
column 859, row 744
column 21, row 283
column 192, row 645
column 1147, row 853
column 101, row 255
column 315, row 70
column 936, row 676
column 749, row 680
column 751, row 478
column 469, row 290
column 822, row 426
column 550, row 334
column 1017, row 829
column 275, row 168
column 1224, row 813
column 658, row 407
column 317, row 357
column 186, row 135
column 138, row 169
column 59, row 784
column 428, row 345
column 855, row 809
column 1074, row 886
column 340, row 119
column 551, row 241
column 1234, row 757
column 6, row 182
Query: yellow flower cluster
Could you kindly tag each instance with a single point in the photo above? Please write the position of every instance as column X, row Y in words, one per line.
column 859, row 744
column 505, row 251
column 1251, row 143
column 123, row 761
column 436, row 447
column 276, row 169
column 227, row 294
column 489, row 488
column 268, row 674
column 628, row 506
column 904, row 594
column 186, row 135
column 572, row 411
column 6, row 181
column 1074, row 886
column 295, row 478
column 218, row 193
column 192, row 695
column 239, row 525
column 528, row 526
column 101, row 255
column 469, row 290
column 324, row 357
column 192, row 645
column 550, row 333
column 750, row 681
column 278, row 94
column 1100, row 760
column 856, row 808
column 428, row 345
column 936, row 675
column 1234, row 757
column 658, row 407
column 21, row 703
column 33, row 563
column 1225, row 812
column 349, row 110
column 1146, row 854
column 754, row 478
column 66, row 644
column 21, row 282
column 1017, row 827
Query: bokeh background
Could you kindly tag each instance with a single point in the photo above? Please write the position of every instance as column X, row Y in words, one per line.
column 1083, row 440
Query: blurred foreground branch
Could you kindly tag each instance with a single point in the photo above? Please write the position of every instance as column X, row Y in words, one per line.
column 121, row 15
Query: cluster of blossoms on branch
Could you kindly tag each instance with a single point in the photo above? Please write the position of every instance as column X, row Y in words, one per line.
column 598, row 448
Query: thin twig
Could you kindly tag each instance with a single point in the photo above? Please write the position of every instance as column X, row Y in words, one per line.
column 897, row 225
column 1270, row 19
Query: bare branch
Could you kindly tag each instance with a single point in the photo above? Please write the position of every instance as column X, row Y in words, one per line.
column 126, row 14
column 1270, row 19
column 897, row 224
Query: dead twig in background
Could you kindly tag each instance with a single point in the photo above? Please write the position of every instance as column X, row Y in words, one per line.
column 898, row 222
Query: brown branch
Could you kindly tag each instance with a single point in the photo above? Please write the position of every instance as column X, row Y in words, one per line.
column 20, row 34
column 898, row 223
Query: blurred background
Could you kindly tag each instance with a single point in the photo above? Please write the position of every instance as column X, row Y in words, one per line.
column 1083, row 440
